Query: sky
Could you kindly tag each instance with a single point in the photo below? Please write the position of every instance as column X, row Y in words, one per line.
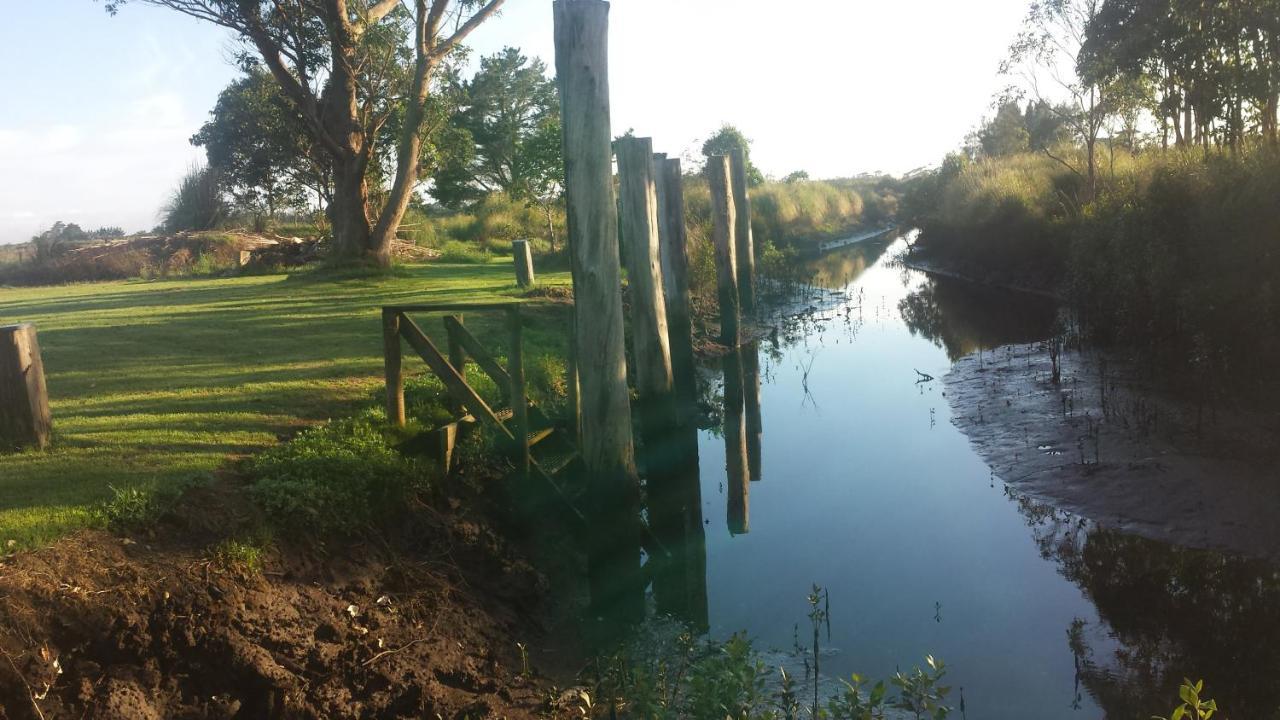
column 98, row 111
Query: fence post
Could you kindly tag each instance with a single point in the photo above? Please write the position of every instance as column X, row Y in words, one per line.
column 524, row 263
column 723, row 231
column 608, row 452
column 744, row 243
column 673, row 242
column 392, row 363
column 458, row 359
column 519, row 401
column 25, row 421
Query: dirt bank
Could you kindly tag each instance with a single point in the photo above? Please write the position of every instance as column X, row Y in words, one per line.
column 1130, row 458
column 421, row 623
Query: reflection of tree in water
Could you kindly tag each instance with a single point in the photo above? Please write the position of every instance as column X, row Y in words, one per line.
column 963, row 318
column 1174, row 613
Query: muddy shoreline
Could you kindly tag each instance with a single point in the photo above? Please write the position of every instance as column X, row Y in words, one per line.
column 1107, row 445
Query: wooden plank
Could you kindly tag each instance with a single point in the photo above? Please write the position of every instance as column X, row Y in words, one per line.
column 25, row 420
column 392, row 366
column 453, row 382
column 487, row 362
column 582, row 80
column 455, row 307
column 742, row 235
column 723, row 229
column 457, row 355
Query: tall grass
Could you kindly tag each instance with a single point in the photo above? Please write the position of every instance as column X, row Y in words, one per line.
column 1177, row 257
column 197, row 203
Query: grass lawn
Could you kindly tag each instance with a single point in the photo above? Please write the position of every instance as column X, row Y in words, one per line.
column 153, row 383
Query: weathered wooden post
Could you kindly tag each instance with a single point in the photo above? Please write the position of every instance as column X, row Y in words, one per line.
column 524, row 263
column 735, row 448
column 608, row 453
column 742, row 236
column 457, row 358
column 673, row 244
column 25, row 421
column 722, row 231
column 391, row 359
column 517, row 395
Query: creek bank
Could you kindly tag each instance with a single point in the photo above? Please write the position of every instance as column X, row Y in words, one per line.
column 1106, row 445
column 420, row 620
column 1032, row 283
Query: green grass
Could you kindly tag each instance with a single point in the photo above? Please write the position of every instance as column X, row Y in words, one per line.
column 157, row 383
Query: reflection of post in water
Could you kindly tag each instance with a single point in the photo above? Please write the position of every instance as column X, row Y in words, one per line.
column 751, row 393
column 735, row 446
column 680, row 585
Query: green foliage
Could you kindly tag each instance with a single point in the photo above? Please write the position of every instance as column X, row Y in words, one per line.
column 921, row 692
column 855, row 702
column 1006, row 133
column 503, row 135
column 727, row 139
column 197, row 203
column 335, row 479
column 1192, row 707
column 129, row 509
column 242, row 555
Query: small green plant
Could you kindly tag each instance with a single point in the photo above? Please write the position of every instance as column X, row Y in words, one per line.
column 1192, row 706
column 336, row 478
column 921, row 692
column 129, row 509
column 240, row 555
column 856, row 703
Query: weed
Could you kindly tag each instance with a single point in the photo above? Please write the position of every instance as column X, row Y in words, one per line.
column 241, row 555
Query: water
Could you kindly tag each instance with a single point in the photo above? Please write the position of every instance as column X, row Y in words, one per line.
column 860, row 483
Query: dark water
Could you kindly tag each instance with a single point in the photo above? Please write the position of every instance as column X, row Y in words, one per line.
column 833, row 462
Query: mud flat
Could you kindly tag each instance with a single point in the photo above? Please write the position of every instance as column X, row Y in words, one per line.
column 1119, row 453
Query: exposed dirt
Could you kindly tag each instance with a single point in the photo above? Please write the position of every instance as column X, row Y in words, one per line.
column 421, row 623
column 1106, row 445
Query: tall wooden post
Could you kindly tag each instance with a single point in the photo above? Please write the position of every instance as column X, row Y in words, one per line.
column 25, row 421
column 723, row 229
column 458, row 359
column 391, row 358
column 524, row 262
column 582, row 78
column 673, row 245
column 640, row 233
column 742, row 236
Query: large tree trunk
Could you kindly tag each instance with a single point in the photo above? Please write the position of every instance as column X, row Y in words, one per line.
column 348, row 211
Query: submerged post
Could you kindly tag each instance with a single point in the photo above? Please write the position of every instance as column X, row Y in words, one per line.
column 742, row 235
column 391, row 359
column 582, row 78
column 524, row 262
column 722, row 231
column 673, row 244
column 25, row 421
column 738, row 485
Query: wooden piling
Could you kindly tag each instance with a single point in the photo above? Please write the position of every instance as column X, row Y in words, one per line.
column 523, row 256
column 25, row 421
column 673, row 245
column 608, row 453
column 723, row 229
column 392, row 363
column 744, row 244
column 639, row 225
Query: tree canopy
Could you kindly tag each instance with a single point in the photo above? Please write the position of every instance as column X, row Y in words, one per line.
column 727, row 139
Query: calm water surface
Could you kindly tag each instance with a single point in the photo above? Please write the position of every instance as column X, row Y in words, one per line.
column 860, row 483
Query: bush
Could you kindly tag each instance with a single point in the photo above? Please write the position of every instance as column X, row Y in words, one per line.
column 197, row 203
column 336, row 478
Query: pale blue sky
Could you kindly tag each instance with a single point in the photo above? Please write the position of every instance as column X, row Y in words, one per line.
column 95, row 124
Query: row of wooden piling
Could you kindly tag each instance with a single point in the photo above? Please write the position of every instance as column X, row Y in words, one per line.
column 649, row 220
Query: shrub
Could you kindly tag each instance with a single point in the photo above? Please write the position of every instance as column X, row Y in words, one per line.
column 197, row 203
column 335, row 479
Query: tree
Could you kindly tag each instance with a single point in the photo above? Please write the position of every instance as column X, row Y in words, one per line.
column 504, row 133
column 1045, row 128
column 727, row 139
column 1045, row 53
column 797, row 176
column 1006, row 133
column 258, row 144
column 349, row 67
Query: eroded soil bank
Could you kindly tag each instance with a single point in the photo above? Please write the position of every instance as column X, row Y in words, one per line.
column 421, row 623
column 1105, row 445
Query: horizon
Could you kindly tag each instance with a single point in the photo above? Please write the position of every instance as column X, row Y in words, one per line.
column 155, row 75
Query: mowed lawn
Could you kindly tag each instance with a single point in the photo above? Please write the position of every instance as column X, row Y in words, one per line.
column 164, row 381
